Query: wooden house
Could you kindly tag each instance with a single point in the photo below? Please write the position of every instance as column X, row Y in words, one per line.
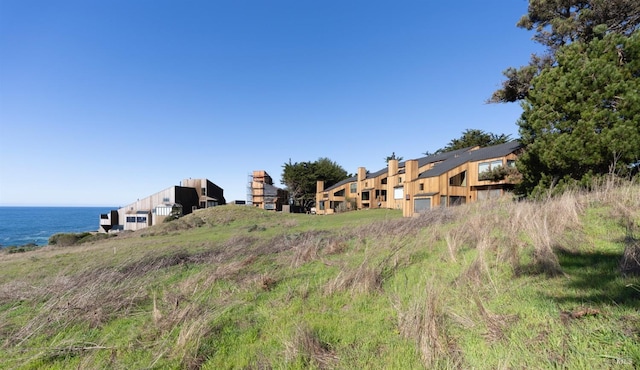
column 417, row 185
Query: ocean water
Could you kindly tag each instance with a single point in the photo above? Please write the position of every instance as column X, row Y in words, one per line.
column 24, row 225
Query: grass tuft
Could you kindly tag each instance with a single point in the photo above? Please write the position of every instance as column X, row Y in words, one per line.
column 308, row 350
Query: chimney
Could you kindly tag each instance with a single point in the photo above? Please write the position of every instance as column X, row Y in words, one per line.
column 392, row 167
column 319, row 186
column 411, row 170
column 362, row 173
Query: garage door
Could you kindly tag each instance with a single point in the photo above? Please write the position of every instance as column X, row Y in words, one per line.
column 422, row 205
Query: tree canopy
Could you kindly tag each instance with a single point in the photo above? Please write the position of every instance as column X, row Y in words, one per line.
column 474, row 137
column 581, row 117
column 393, row 156
column 301, row 178
column 558, row 23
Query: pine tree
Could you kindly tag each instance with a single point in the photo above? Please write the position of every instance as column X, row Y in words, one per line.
column 581, row 118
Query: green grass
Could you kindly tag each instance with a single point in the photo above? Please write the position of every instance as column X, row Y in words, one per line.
column 491, row 285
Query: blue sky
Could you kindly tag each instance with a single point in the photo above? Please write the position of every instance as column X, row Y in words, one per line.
column 104, row 102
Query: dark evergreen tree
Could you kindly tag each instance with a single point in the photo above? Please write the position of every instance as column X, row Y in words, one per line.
column 474, row 137
column 582, row 117
column 561, row 22
column 301, row 178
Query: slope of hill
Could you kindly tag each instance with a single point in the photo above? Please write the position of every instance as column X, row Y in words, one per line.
column 491, row 285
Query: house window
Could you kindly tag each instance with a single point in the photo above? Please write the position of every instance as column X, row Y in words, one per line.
column 165, row 199
column 353, row 188
column 141, row 219
column 421, row 187
column 131, row 219
column 204, row 191
column 489, row 194
column 365, row 195
column 511, row 163
column 486, row 167
column 384, row 181
column 381, row 195
column 457, row 200
column 400, row 180
column 321, row 205
column 339, row 193
column 443, row 201
column 459, row 179
column 398, row 193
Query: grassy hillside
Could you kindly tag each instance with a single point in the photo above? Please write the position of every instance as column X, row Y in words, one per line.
column 490, row 285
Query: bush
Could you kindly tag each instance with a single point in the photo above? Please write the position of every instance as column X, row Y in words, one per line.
column 69, row 239
column 21, row 249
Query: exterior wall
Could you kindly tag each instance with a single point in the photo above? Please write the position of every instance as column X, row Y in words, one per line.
column 257, row 194
column 266, row 196
column 146, row 204
column 108, row 221
column 141, row 213
column 263, row 177
column 441, row 186
column 137, row 221
column 329, row 202
column 209, row 194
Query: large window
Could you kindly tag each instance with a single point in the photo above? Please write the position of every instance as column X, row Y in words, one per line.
column 459, row 179
column 398, row 193
column 457, row 200
column 365, row 195
column 339, row 193
column 353, row 188
column 489, row 194
column 485, row 168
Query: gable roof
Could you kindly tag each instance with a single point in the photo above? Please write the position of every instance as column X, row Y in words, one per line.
column 489, row 152
column 447, row 161
column 422, row 161
column 345, row 181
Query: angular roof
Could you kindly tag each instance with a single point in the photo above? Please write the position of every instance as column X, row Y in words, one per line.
column 423, row 161
column 439, row 157
column 489, row 152
column 448, row 161
column 345, row 181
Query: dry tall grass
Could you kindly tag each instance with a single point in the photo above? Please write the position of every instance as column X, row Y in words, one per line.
column 476, row 240
column 424, row 321
column 307, row 347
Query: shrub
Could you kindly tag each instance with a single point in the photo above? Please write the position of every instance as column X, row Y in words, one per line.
column 69, row 239
column 21, row 249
